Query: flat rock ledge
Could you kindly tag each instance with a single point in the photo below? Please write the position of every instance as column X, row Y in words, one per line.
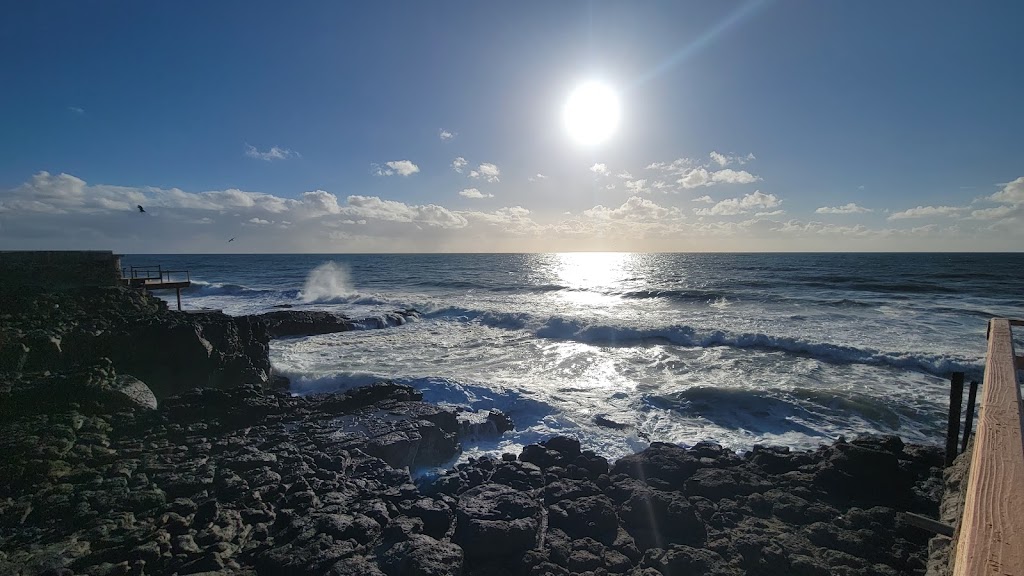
column 249, row 481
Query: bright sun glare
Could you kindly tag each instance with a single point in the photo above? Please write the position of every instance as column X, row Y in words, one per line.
column 591, row 113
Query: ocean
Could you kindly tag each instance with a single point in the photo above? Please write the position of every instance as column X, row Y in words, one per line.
column 622, row 349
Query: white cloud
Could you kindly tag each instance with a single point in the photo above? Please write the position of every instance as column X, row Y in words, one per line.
column 58, row 211
column 319, row 202
column 1004, row 212
column 459, row 164
column 694, row 178
column 720, row 159
column 474, row 193
column 400, row 167
column 660, row 185
column 634, row 209
column 850, row 208
column 734, row 206
column 697, row 177
column 1012, row 192
column 537, row 177
column 726, row 159
column 390, row 210
column 637, row 186
column 77, row 110
column 677, row 166
column 600, row 169
column 705, row 199
column 926, row 212
column 275, row 153
column 445, row 135
column 486, row 171
column 625, row 175
column 730, row 176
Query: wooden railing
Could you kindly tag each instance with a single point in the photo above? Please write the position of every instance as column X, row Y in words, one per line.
column 990, row 535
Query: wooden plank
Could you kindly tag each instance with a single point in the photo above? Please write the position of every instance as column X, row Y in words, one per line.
column 925, row 523
column 990, row 537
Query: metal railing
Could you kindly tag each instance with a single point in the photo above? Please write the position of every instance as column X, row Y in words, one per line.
column 154, row 274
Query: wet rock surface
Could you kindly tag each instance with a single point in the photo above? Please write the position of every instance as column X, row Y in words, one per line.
column 230, row 480
column 251, row 481
column 168, row 350
column 290, row 323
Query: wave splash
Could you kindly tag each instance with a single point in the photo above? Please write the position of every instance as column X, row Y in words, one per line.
column 328, row 282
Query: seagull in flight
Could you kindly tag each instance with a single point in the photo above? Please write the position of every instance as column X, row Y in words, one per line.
column 141, row 209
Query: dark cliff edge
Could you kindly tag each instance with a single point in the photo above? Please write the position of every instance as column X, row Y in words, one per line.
column 118, row 459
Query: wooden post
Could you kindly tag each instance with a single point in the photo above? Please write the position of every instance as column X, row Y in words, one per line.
column 178, row 292
column 969, row 420
column 956, row 397
column 990, row 535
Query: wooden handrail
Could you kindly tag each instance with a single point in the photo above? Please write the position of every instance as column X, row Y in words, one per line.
column 990, row 535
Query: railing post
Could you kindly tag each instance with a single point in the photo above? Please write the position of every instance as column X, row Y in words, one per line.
column 956, row 396
column 969, row 420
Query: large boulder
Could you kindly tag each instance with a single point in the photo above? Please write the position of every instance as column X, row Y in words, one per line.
column 493, row 520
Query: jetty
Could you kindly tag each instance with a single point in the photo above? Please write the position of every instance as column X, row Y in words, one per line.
column 154, row 277
column 989, row 538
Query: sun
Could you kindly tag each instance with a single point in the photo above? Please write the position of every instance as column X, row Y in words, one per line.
column 591, row 113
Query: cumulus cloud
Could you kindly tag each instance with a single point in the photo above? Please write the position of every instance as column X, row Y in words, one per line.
column 459, row 164
column 474, row 193
column 625, row 175
column 57, row 211
column 926, row 212
column 393, row 211
column 537, row 177
column 730, row 176
column 705, row 199
column 726, row 159
column 274, row 153
column 445, row 135
column 1012, row 192
column 486, row 171
column 400, row 167
column 850, row 208
column 734, row 206
column 600, row 169
column 637, row 186
column 677, row 166
column 634, row 209
column 697, row 177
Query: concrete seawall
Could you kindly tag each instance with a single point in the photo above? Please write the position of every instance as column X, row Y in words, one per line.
column 57, row 270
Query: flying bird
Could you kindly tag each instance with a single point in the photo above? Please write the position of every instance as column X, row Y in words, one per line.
column 232, row 240
column 141, row 209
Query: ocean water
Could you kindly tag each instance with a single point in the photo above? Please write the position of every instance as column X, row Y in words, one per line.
column 623, row 349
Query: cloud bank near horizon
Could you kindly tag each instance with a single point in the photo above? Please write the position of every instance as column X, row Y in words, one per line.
column 62, row 211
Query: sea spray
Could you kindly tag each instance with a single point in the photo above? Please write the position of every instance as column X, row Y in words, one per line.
column 327, row 282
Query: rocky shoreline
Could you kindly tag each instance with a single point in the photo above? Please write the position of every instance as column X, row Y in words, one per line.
column 237, row 478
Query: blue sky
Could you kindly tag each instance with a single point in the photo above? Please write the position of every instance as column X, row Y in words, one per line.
column 744, row 126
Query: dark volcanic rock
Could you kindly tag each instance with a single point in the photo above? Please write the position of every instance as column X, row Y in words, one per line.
column 496, row 521
column 169, row 351
column 289, row 323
